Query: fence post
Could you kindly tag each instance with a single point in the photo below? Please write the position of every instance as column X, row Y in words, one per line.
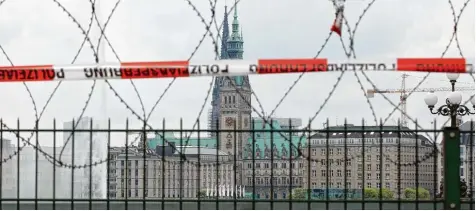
column 451, row 156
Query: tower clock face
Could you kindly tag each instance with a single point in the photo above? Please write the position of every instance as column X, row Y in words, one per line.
column 229, row 121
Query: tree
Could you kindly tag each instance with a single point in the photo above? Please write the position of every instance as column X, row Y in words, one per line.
column 423, row 193
column 371, row 193
column 202, row 194
column 386, row 193
column 374, row 193
column 299, row 194
column 411, row 193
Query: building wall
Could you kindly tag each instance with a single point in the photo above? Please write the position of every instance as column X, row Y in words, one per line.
column 274, row 179
column 372, row 166
column 8, row 170
column 168, row 177
column 37, row 171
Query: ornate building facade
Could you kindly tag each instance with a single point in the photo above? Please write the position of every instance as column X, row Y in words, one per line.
column 264, row 162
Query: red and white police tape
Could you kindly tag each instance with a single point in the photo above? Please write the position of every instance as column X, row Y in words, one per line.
column 168, row 69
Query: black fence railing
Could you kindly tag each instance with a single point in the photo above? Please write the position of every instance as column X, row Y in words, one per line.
column 249, row 166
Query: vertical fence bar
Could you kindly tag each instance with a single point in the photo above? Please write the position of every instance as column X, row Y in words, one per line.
column 309, row 166
column 182, row 152
column 90, row 164
column 72, row 163
column 451, row 168
column 435, row 166
column 36, row 164
column 290, row 164
column 399, row 170
column 127, row 166
column 18, row 164
column 417, row 163
column 54, row 164
column 217, row 166
column 345, row 164
column 381, row 165
column 234, row 161
column 108, row 205
column 253, row 161
column 471, row 164
column 144, row 165
column 327, row 164
column 363, row 164
column 199, row 167
column 163, row 165
column 272, row 165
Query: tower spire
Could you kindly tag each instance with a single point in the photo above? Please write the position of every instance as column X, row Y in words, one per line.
column 235, row 45
column 225, row 35
column 235, row 16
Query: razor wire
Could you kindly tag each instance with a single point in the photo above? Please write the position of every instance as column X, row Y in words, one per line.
column 145, row 117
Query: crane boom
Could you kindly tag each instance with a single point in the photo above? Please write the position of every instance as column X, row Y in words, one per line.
column 371, row 92
column 403, row 91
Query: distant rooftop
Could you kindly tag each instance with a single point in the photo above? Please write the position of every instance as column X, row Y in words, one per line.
column 193, row 150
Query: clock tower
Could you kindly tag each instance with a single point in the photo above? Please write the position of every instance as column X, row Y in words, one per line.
column 234, row 96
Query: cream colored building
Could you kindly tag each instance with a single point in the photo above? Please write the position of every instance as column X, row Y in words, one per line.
column 8, row 170
column 170, row 177
column 373, row 160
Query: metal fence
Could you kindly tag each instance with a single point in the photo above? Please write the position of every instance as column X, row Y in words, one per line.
column 257, row 165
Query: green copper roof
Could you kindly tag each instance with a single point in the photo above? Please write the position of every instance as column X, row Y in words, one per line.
column 263, row 141
column 238, row 80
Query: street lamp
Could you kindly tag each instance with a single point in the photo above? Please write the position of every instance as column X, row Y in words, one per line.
column 453, row 107
column 452, row 187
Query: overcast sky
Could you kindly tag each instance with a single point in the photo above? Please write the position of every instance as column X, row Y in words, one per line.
column 40, row 32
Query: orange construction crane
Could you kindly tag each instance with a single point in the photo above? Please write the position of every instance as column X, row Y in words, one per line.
column 403, row 95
